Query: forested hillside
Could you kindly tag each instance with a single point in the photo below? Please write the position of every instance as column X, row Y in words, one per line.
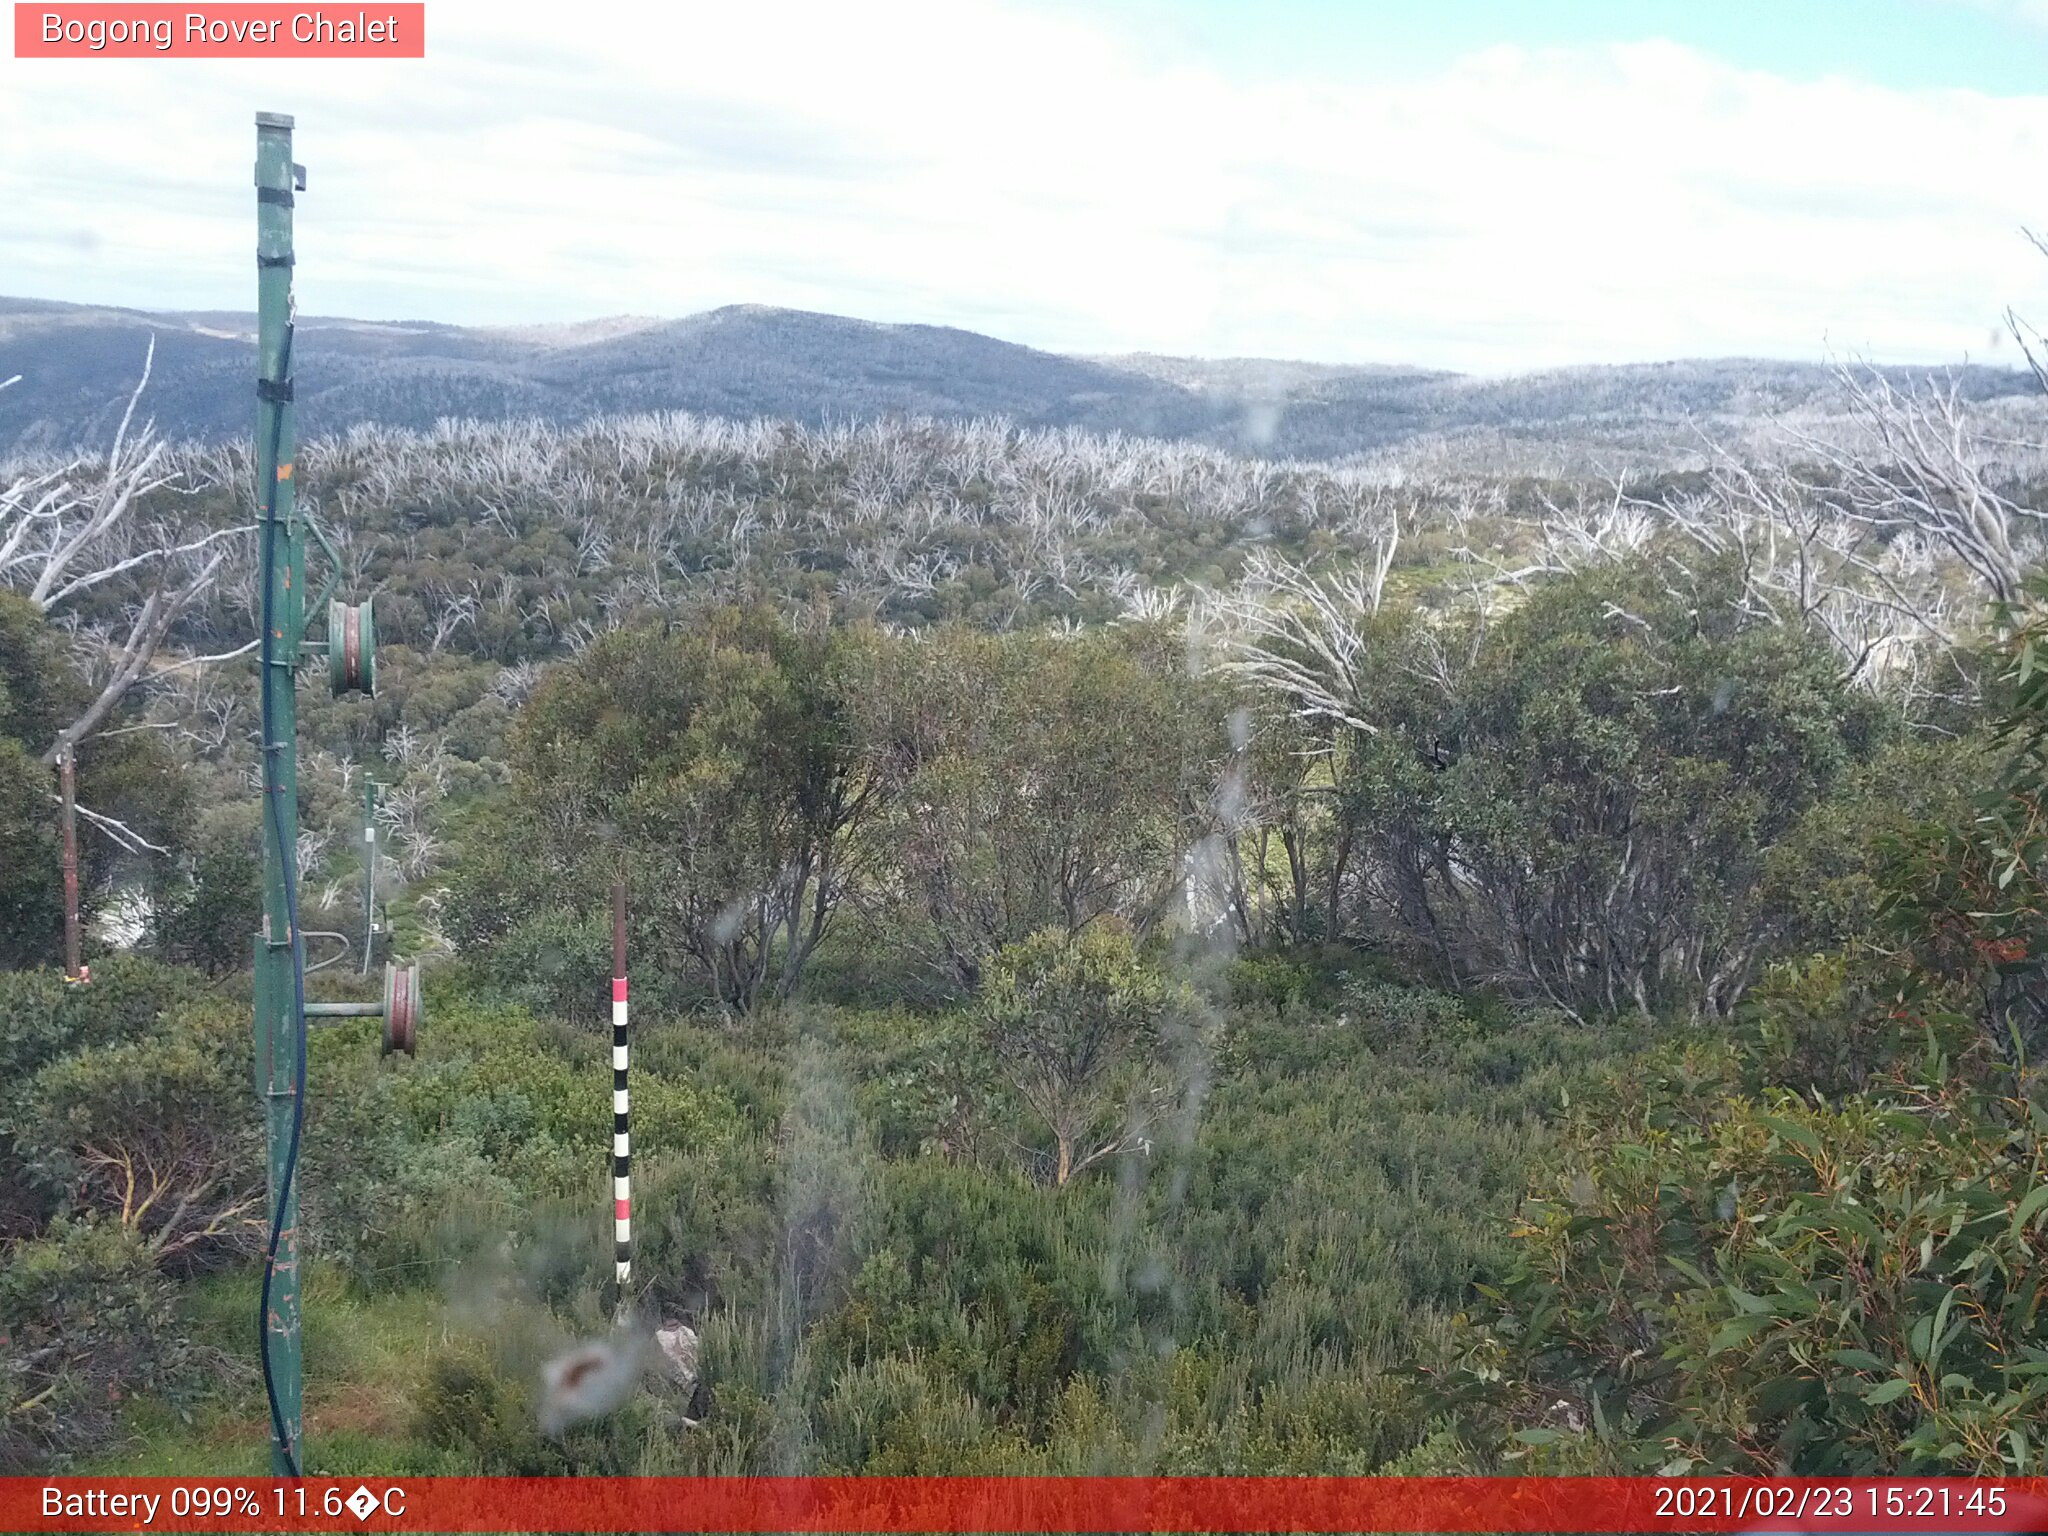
column 817, row 370
column 1145, row 958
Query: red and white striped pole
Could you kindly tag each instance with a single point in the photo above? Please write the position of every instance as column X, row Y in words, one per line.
column 622, row 1150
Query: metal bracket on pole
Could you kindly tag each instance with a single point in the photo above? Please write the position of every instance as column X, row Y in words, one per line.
column 333, row 565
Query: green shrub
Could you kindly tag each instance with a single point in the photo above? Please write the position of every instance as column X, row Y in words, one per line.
column 414, row 1165
column 555, row 962
column 1750, row 1281
column 1078, row 1024
column 41, row 1018
column 1588, row 811
column 482, row 1396
column 1815, row 1246
column 158, row 1133
column 204, row 913
column 31, row 906
column 87, row 1323
column 895, row 1417
column 466, row 1404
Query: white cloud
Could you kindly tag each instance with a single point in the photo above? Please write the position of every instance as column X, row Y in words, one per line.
column 1047, row 177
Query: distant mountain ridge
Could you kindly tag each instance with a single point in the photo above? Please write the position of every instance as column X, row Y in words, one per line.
column 78, row 363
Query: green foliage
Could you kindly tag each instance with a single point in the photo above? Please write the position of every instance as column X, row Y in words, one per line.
column 465, row 1404
column 478, row 1404
column 156, row 1133
column 1826, row 1026
column 754, row 778
column 944, row 885
column 1071, row 1018
column 1293, row 978
column 1817, row 1246
column 31, row 897
column 713, row 765
column 204, row 916
column 1826, row 881
column 877, row 1287
column 87, row 1324
column 42, row 1019
column 1749, row 1281
column 558, row 961
column 416, row 1169
column 1627, row 802
column 896, row 1417
column 1968, row 896
column 38, row 689
column 1036, row 780
column 1587, row 813
column 833, row 1199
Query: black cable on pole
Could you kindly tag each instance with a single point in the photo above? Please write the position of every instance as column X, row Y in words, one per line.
column 287, row 860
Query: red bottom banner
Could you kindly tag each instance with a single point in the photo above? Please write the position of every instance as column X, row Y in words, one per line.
column 1023, row 1504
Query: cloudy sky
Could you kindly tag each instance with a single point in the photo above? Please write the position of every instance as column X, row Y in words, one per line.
column 1480, row 184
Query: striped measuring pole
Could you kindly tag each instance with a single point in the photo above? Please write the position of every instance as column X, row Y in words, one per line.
column 622, row 1147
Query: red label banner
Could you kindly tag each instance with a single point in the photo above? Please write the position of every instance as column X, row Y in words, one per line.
column 990, row 1504
column 233, row 31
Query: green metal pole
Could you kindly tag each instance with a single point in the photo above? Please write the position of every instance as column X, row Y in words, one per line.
column 280, row 1027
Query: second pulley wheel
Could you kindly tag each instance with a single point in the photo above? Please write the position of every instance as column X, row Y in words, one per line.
column 351, row 648
column 402, row 1008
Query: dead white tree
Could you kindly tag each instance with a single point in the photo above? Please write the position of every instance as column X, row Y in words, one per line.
column 71, row 533
column 1304, row 636
column 452, row 610
column 68, row 531
column 1924, row 471
column 1874, row 593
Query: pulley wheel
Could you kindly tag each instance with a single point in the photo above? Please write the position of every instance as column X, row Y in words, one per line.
column 402, row 1008
column 351, row 649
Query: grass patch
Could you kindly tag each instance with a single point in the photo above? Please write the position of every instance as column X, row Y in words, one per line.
column 364, row 1359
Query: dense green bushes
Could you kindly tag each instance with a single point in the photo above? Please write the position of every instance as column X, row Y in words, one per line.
column 1736, row 1277
column 715, row 763
column 156, row 1133
column 1153, row 1155
column 1234, row 1301
column 42, row 1019
column 1082, row 1028
column 762, row 784
column 836, row 1200
column 203, row 911
column 88, row 1323
column 1620, row 796
column 1029, row 781
column 442, row 1159
column 1587, row 812
column 1816, row 1246
column 880, row 1284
